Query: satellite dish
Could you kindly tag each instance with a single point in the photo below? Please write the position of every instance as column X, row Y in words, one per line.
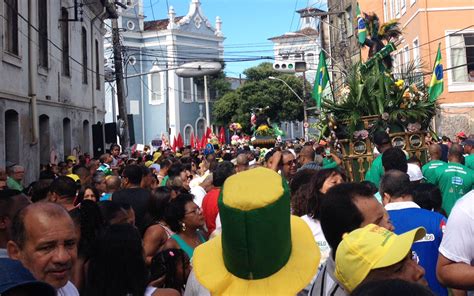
column 197, row 69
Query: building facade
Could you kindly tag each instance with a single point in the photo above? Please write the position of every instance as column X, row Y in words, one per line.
column 425, row 25
column 51, row 86
column 303, row 45
column 160, row 102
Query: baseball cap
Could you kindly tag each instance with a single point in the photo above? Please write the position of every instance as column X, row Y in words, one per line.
column 381, row 137
column 368, row 248
column 469, row 142
column 14, row 275
column 461, row 135
column 414, row 172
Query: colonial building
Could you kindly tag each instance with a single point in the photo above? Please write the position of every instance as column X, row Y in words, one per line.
column 303, row 45
column 159, row 101
column 426, row 24
column 51, row 86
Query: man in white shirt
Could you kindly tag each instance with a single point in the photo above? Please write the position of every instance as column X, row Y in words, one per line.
column 44, row 239
column 456, row 254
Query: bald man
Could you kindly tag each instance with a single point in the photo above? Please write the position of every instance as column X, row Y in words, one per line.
column 306, row 159
column 44, row 239
column 429, row 168
column 242, row 163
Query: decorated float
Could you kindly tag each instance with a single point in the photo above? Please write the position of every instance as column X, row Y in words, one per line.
column 374, row 98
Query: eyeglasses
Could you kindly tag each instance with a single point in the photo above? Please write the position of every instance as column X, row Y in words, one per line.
column 196, row 211
column 291, row 162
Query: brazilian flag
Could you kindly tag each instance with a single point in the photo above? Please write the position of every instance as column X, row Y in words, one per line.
column 322, row 79
column 436, row 85
column 361, row 27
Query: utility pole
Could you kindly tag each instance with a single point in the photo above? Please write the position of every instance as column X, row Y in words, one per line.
column 122, row 107
column 305, row 110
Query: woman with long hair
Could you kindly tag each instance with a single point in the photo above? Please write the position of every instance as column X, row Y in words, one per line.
column 158, row 232
column 185, row 218
column 117, row 265
column 320, row 184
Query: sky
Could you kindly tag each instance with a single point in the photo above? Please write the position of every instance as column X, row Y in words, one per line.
column 246, row 24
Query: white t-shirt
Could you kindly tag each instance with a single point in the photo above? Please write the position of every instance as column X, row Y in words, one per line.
column 199, row 194
column 458, row 239
column 68, row 290
column 318, row 234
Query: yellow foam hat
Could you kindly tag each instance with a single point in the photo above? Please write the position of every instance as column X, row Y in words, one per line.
column 369, row 248
column 74, row 177
column 262, row 250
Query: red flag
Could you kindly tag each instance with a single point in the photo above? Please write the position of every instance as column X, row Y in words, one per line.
column 203, row 141
column 208, row 133
column 192, row 142
column 222, row 135
column 180, row 141
column 174, row 145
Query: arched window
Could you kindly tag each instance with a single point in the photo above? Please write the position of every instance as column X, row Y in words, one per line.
column 44, row 139
column 200, row 126
column 187, row 134
column 67, row 136
column 12, row 136
column 84, row 55
column 86, row 135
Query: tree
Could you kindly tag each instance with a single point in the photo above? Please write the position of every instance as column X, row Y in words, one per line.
column 259, row 92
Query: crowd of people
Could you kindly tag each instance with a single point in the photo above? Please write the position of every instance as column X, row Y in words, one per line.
column 240, row 220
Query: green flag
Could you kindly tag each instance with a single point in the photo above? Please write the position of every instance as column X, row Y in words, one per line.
column 436, row 84
column 322, row 79
column 361, row 27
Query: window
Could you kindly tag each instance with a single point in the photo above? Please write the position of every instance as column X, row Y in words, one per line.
column 187, row 94
column 348, row 20
column 86, row 134
column 67, row 136
column 97, row 68
column 11, row 26
column 385, row 11
column 155, row 85
column 187, row 134
column 12, row 136
column 412, row 2
column 44, row 139
column 397, row 8
column 416, row 52
column 461, row 56
column 43, row 33
column 406, row 58
column 200, row 125
column 404, row 6
column 199, row 91
column 392, row 9
column 84, row 55
column 65, row 41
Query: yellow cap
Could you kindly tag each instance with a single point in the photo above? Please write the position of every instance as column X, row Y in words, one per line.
column 369, row 248
column 71, row 158
column 156, row 155
column 74, row 177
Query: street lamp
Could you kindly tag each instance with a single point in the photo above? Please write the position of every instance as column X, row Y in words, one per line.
column 305, row 113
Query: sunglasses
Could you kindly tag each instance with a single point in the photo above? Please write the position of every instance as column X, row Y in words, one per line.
column 291, row 162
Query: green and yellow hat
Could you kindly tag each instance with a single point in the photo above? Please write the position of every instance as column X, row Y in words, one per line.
column 262, row 250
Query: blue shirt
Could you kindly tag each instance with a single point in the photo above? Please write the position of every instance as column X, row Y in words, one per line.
column 407, row 216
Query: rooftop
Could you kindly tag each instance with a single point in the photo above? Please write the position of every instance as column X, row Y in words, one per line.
column 298, row 34
column 158, row 25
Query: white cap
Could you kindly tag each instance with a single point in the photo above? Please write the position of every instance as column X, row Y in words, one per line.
column 414, row 172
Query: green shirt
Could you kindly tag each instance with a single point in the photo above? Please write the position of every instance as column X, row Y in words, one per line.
column 469, row 161
column 13, row 184
column 454, row 180
column 429, row 170
column 375, row 172
column 329, row 163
